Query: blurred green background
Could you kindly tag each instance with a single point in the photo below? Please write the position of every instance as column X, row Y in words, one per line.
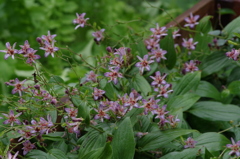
column 22, row 20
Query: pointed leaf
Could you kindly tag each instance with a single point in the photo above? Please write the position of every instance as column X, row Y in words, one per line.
column 139, row 83
column 212, row 141
column 206, row 89
column 190, row 153
column 215, row 111
column 232, row 27
column 168, row 44
column 182, row 101
column 123, row 143
column 234, row 87
column 158, row 139
column 188, row 83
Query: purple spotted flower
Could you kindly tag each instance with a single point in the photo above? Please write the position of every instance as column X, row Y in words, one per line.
column 113, row 75
column 27, row 146
column 144, row 64
column 98, row 35
column 10, row 156
column 80, row 20
column 189, row 44
column 152, row 43
column 10, row 51
column 91, row 76
column 101, row 114
column 161, row 112
column 30, row 54
column 18, row 86
column 150, row 105
column 97, row 93
column 235, row 148
column 191, row 66
column 72, row 112
column 24, row 48
column 49, row 38
column 233, row 54
column 158, row 79
column 158, row 54
column 164, row 90
column 49, row 49
column 132, row 101
column 158, row 32
column 11, row 118
column 190, row 143
column 191, row 20
column 175, row 34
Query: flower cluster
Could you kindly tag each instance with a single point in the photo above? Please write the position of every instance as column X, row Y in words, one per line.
column 235, row 148
column 190, row 143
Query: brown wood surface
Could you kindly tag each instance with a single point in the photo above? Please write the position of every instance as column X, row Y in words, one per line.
column 207, row 7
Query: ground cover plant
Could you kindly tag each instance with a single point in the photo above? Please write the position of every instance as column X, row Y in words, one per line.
column 148, row 98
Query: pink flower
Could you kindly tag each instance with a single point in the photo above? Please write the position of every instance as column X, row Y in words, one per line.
column 49, row 38
column 150, row 105
column 158, row 79
column 30, row 54
column 97, row 93
column 235, row 147
column 161, row 112
column 152, row 43
column 158, row 54
column 11, row 118
column 190, row 143
column 144, row 63
column 191, row 21
column 80, row 20
column 49, row 49
column 164, row 90
column 101, row 114
column 132, row 101
column 18, row 86
column 10, row 156
column 114, row 74
column 91, row 76
column 173, row 120
column 98, row 35
column 24, row 48
column 10, row 50
column 234, row 54
column 158, row 32
column 27, row 146
column 175, row 34
column 191, row 66
column 72, row 112
column 189, row 44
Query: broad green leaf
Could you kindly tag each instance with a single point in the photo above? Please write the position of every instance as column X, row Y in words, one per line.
column 83, row 110
column 168, row 44
column 206, row 89
column 37, row 154
column 226, row 11
column 123, row 143
column 132, row 114
column 56, row 136
column 188, row 83
column 234, row 75
column 213, row 63
column 56, row 154
column 202, row 36
column 139, row 83
column 53, row 115
column 90, row 141
column 182, row 101
column 232, row 27
column 190, row 153
column 215, row 111
column 110, row 91
column 158, row 139
column 234, row 87
column 56, row 79
column 212, row 141
column 100, row 153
